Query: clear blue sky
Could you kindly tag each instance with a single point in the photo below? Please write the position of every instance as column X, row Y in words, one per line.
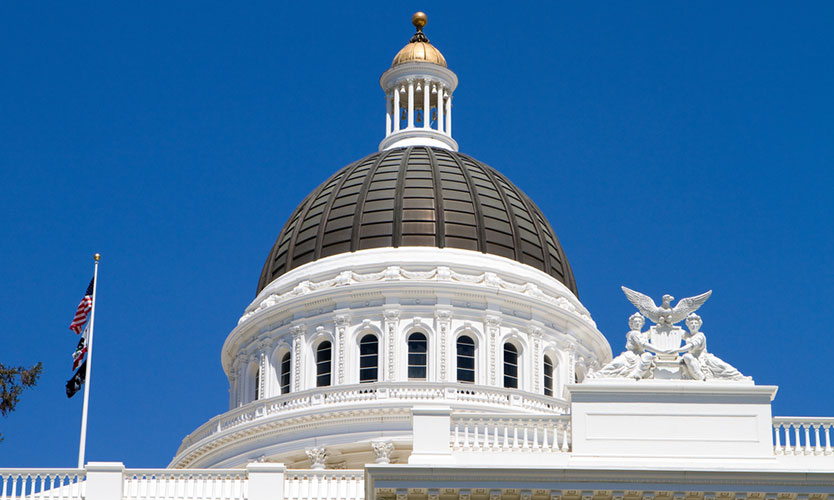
column 675, row 147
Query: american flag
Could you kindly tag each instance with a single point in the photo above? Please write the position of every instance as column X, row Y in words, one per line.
column 83, row 310
column 80, row 351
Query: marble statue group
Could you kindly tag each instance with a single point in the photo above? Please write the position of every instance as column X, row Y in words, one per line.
column 667, row 351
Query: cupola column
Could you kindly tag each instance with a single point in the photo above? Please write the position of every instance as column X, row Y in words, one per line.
column 410, row 104
column 440, row 108
column 426, row 103
column 396, row 109
column 449, row 116
column 388, row 106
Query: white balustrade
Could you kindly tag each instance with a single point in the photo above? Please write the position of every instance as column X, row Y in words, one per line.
column 47, row 484
column 324, row 485
column 802, row 435
column 197, row 484
column 359, row 394
column 509, row 433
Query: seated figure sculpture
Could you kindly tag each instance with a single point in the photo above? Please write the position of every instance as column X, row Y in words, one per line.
column 696, row 361
column 635, row 362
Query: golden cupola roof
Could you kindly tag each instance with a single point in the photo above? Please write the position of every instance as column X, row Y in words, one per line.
column 419, row 49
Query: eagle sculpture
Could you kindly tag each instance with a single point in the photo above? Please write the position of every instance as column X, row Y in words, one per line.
column 665, row 314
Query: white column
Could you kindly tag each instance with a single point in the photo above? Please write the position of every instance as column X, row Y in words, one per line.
column 410, row 105
column 391, row 324
column 449, row 116
column 396, row 108
column 426, row 103
column 440, row 108
column 387, row 116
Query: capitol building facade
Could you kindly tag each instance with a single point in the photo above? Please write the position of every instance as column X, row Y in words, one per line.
column 417, row 334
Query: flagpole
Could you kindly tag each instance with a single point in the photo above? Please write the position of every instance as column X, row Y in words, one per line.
column 89, row 365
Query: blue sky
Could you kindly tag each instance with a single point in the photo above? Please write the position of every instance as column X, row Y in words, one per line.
column 675, row 147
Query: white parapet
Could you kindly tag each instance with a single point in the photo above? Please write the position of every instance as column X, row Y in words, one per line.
column 687, row 419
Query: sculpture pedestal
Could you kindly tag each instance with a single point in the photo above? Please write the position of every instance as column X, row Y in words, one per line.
column 667, row 369
column 684, row 419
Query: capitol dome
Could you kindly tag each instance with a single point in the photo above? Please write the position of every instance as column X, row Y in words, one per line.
column 418, row 196
column 416, row 279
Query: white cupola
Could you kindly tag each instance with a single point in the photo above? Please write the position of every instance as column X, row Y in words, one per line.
column 418, row 95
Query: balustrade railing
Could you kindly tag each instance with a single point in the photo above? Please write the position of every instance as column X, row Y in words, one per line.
column 324, row 485
column 46, row 484
column 506, row 433
column 202, row 484
column 802, row 435
column 361, row 393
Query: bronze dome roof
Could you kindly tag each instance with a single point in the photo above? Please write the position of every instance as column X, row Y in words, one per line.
column 418, row 196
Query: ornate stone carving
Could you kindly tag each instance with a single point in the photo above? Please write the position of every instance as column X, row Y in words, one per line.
column 317, row 456
column 492, row 323
column 665, row 314
column 297, row 344
column 673, row 360
column 699, row 364
column 382, row 450
column 444, row 320
column 342, row 322
column 536, row 334
column 392, row 319
column 634, row 362
column 441, row 273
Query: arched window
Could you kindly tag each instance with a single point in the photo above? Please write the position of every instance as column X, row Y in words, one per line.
column 324, row 355
column 510, row 366
column 418, row 348
column 466, row 359
column 369, row 358
column 548, row 376
column 285, row 373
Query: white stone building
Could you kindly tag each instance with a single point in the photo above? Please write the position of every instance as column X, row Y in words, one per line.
column 417, row 335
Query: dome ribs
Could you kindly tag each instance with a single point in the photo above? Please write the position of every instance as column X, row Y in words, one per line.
column 476, row 203
column 418, row 196
column 439, row 215
column 519, row 256
column 397, row 235
column 360, row 201
column 349, row 170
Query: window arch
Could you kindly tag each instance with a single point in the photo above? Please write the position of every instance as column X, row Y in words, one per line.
column 284, row 372
column 369, row 358
column 548, row 376
column 418, row 349
column 510, row 366
column 466, row 359
column 324, row 365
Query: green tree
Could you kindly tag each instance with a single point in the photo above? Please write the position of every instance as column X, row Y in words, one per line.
column 13, row 380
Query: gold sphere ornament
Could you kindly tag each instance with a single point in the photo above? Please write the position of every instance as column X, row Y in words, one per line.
column 419, row 20
column 97, row 256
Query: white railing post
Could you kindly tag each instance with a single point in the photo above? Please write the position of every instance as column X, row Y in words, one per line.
column 431, row 428
column 105, row 480
column 266, row 481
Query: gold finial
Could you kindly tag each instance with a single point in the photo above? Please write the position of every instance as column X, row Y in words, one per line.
column 419, row 20
column 97, row 256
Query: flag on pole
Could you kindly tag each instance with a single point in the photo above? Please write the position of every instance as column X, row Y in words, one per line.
column 74, row 384
column 80, row 350
column 83, row 310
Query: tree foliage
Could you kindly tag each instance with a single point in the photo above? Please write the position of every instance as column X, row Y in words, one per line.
column 13, row 380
